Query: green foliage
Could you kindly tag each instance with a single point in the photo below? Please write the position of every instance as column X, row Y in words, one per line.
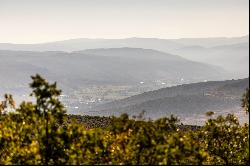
column 8, row 102
column 210, row 113
column 245, row 101
column 226, row 140
column 42, row 133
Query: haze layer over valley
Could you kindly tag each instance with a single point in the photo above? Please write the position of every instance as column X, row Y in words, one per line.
column 96, row 72
column 130, row 67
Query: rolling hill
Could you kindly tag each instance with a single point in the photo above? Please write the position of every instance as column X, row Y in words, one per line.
column 102, row 66
column 188, row 101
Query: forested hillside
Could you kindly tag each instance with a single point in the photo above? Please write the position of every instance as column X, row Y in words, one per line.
column 190, row 102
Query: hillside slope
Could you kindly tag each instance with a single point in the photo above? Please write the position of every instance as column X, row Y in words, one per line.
column 189, row 102
column 233, row 58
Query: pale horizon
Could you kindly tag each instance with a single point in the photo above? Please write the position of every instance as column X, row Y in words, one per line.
column 42, row 21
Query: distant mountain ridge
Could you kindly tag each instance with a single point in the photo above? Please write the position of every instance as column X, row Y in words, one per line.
column 82, row 44
column 147, row 43
column 232, row 54
column 213, row 41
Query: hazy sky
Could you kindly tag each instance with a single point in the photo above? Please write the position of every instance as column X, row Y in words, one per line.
column 34, row 21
